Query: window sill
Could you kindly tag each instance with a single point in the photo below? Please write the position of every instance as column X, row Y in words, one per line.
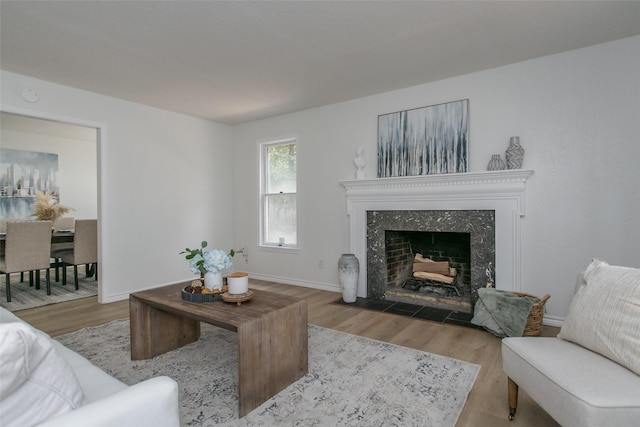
column 279, row 249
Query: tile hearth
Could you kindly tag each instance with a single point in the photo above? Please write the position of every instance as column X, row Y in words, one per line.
column 450, row 317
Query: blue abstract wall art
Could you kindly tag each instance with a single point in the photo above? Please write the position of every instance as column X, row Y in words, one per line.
column 424, row 141
column 22, row 174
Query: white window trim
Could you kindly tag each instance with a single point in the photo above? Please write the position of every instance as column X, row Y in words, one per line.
column 262, row 144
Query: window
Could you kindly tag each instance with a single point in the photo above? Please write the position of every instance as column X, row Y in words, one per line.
column 279, row 224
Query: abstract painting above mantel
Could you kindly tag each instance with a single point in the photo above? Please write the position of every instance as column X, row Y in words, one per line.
column 424, row 141
column 23, row 173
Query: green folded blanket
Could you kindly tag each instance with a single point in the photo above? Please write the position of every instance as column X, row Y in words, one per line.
column 504, row 314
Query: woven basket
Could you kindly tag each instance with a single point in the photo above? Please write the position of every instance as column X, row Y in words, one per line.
column 534, row 325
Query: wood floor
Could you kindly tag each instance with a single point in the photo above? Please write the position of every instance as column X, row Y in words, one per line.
column 487, row 402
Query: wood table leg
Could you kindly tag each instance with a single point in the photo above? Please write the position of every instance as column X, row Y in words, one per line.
column 272, row 354
column 155, row 332
column 513, row 398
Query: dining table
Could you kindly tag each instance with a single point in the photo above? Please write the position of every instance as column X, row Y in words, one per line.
column 62, row 236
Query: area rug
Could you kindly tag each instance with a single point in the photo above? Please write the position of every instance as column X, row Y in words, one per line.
column 352, row 381
column 24, row 296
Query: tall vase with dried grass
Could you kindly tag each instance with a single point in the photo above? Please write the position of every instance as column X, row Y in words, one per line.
column 45, row 208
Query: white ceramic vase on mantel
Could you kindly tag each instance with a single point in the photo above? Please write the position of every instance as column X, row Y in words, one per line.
column 496, row 163
column 515, row 153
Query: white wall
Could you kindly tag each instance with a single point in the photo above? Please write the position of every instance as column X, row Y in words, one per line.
column 164, row 177
column 77, row 168
column 577, row 117
column 164, row 181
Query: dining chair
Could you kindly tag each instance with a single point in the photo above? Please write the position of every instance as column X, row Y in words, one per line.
column 27, row 248
column 65, row 223
column 85, row 249
column 3, row 230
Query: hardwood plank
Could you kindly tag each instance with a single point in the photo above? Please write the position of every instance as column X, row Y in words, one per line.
column 62, row 318
column 487, row 404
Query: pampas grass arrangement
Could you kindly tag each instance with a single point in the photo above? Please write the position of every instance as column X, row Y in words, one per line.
column 45, row 208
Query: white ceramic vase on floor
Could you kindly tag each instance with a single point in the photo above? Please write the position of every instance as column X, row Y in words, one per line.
column 348, row 272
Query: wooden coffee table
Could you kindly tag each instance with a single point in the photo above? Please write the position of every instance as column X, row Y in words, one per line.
column 272, row 335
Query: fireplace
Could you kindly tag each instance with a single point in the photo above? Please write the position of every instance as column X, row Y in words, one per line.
column 464, row 241
column 498, row 194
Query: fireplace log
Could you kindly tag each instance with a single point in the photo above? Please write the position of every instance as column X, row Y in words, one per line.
column 421, row 258
column 420, row 263
column 432, row 267
column 433, row 276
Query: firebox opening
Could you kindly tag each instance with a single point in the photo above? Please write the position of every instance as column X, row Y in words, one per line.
column 429, row 268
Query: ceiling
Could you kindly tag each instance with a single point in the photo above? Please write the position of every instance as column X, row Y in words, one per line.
column 238, row 61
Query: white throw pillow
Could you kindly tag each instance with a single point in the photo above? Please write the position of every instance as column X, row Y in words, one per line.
column 36, row 383
column 604, row 315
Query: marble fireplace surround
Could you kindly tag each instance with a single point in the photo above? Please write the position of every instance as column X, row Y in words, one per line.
column 500, row 191
column 478, row 225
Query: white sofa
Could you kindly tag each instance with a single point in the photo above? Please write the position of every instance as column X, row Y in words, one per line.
column 44, row 383
column 590, row 374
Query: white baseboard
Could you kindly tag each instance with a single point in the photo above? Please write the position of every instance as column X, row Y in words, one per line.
column 125, row 295
column 306, row 284
column 553, row 321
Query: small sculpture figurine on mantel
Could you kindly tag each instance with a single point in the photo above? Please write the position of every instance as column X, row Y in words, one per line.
column 360, row 161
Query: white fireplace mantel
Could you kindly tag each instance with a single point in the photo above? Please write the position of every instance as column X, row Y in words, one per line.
column 500, row 191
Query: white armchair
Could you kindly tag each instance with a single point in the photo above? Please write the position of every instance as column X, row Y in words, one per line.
column 44, row 383
column 590, row 374
column 150, row 403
